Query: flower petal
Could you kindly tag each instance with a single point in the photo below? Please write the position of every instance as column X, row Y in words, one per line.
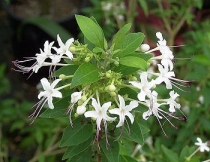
column 45, row 84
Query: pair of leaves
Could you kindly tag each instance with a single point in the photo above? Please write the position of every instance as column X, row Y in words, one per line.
column 129, row 44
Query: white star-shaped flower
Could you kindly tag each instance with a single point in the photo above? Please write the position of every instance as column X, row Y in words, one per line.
column 167, row 54
column 43, row 55
column 172, row 103
column 124, row 110
column 144, row 86
column 46, row 96
column 164, row 76
column 50, row 91
column 153, row 106
column 202, row 146
column 99, row 114
column 64, row 48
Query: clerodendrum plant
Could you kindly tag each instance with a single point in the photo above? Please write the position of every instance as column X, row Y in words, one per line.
column 103, row 86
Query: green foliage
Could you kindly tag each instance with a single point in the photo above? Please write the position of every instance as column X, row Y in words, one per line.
column 133, row 61
column 130, row 43
column 85, row 74
column 81, row 131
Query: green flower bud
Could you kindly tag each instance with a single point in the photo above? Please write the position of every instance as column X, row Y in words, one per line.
column 62, row 76
column 80, row 102
column 113, row 94
column 133, row 78
column 84, row 98
column 72, row 49
column 111, row 88
column 87, row 59
column 108, row 74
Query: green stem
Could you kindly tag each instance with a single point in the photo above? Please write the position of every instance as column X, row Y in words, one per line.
column 67, row 85
column 188, row 158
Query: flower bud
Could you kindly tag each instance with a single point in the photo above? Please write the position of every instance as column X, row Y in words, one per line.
column 113, row 94
column 108, row 74
column 87, row 59
column 111, row 88
column 133, row 78
column 62, row 76
column 81, row 110
column 144, row 47
column 84, row 98
column 72, row 49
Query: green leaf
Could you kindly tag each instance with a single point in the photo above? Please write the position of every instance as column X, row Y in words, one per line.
column 112, row 152
column 80, row 132
column 125, row 70
column 169, row 154
column 144, row 130
column 91, row 30
column 49, row 26
column 120, row 35
column 84, row 156
column 184, row 153
column 133, row 61
column 125, row 158
column 144, row 56
column 130, row 43
column 67, row 70
column 85, row 74
column 75, row 150
column 135, row 133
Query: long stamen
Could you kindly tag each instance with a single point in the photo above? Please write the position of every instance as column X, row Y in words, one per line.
column 106, row 136
column 38, row 109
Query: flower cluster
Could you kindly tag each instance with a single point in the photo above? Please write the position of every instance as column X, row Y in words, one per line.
column 166, row 75
column 99, row 84
column 40, row 60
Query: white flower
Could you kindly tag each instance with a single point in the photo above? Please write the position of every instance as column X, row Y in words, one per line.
column 124, row 110
column 39, row 60
column 75, row 97
column 99, row 114
column 50, row 91
column 44, row 54
column 164, row 76
column 64, row 48
column 202, row 146
column 172, row 103
column 144, row 86
column 166, row 56
column 153, row 107
column 46, row 96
